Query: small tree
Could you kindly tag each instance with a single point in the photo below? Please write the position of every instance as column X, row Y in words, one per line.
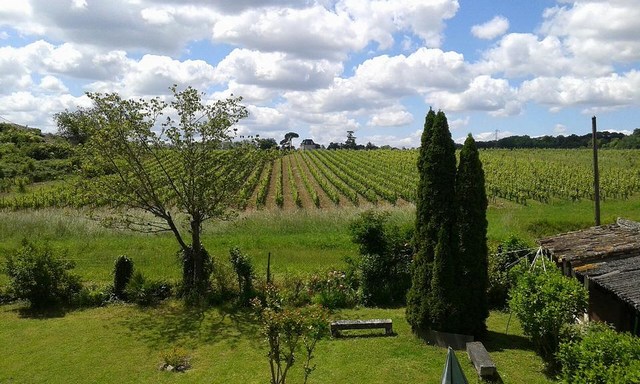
column 288, row 331
column 173, row 170
column 122, row 272
column 245, row 274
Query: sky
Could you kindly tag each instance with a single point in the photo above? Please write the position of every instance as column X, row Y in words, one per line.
column 321, row 68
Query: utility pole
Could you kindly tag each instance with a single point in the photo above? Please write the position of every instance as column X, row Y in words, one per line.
column 596, row 173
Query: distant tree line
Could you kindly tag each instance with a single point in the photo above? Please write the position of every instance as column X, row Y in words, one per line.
column 605, row 140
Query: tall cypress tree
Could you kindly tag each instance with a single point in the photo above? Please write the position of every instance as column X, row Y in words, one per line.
column 472, row 230
column 435, row 209
column 417, row 309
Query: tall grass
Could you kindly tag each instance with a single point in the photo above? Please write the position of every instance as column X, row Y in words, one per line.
column 300, row 241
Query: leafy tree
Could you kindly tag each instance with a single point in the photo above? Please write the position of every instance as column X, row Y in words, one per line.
column 287, row 142
column 472, row 229
column 351, row 141
column 266, row 144
column 72, row 125
column 172, row 170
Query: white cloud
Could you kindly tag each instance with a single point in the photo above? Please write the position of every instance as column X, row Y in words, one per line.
column 52, row 84
column 560, row 129
column 607, row 92
column 601, row 31
column 484, row 93
column 493, row 28
column 458, row 124
column 276, row 70
column 391, row 117
column 313, row 32
column 524, row 54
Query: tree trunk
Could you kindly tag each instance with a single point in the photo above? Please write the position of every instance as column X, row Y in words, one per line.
column 196, row 267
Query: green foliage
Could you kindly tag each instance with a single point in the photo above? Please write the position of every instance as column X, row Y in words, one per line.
column 41, row 276
column 384, row 266
column 143, row 291
column 472, row 228
column 545, row 302
column 417, row 309
column 597, row 354
column 504, row 269
column 245, row 274
column 92, row 295
column 332, row 290
column 290, row 332
column 435, row 228
column 445, row 313
column 122, row 272
column 176, row 171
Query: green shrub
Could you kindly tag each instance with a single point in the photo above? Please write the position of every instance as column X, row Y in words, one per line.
column 384, row 266
column 331, row 290
column 40, row 276
column 147, row 292
column 545, row 302
column 597, row 354
column 92, row 295
column 504, row 269
column 245, row 274
column 122, row 272
column 294, row 290
column 6, row 296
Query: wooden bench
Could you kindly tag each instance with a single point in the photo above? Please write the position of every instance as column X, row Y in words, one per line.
column 481, row 360
column 341, row 325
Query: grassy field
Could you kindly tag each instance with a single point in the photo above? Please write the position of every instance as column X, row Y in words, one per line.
column 300, row 241
column 121, row 343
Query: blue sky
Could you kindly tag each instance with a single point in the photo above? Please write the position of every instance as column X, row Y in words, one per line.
column 322, row 67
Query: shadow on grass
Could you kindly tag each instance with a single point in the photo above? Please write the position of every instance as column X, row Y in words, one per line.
column 27, row 312
column 176, row 324
column 497, row 342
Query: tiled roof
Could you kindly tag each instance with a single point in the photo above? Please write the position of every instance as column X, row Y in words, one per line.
column 590, row 245
column 608, row 255
column 621, row 277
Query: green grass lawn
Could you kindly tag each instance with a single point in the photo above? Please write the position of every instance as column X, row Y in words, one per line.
column 121, row 344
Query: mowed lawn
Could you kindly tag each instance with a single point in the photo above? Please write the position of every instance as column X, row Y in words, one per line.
column 121, row 344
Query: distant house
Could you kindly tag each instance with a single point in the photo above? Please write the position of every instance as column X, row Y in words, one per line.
column 606, row 259
column 308, row 144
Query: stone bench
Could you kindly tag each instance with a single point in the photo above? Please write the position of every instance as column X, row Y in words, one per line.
column 481, row 360
column 341, row 325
